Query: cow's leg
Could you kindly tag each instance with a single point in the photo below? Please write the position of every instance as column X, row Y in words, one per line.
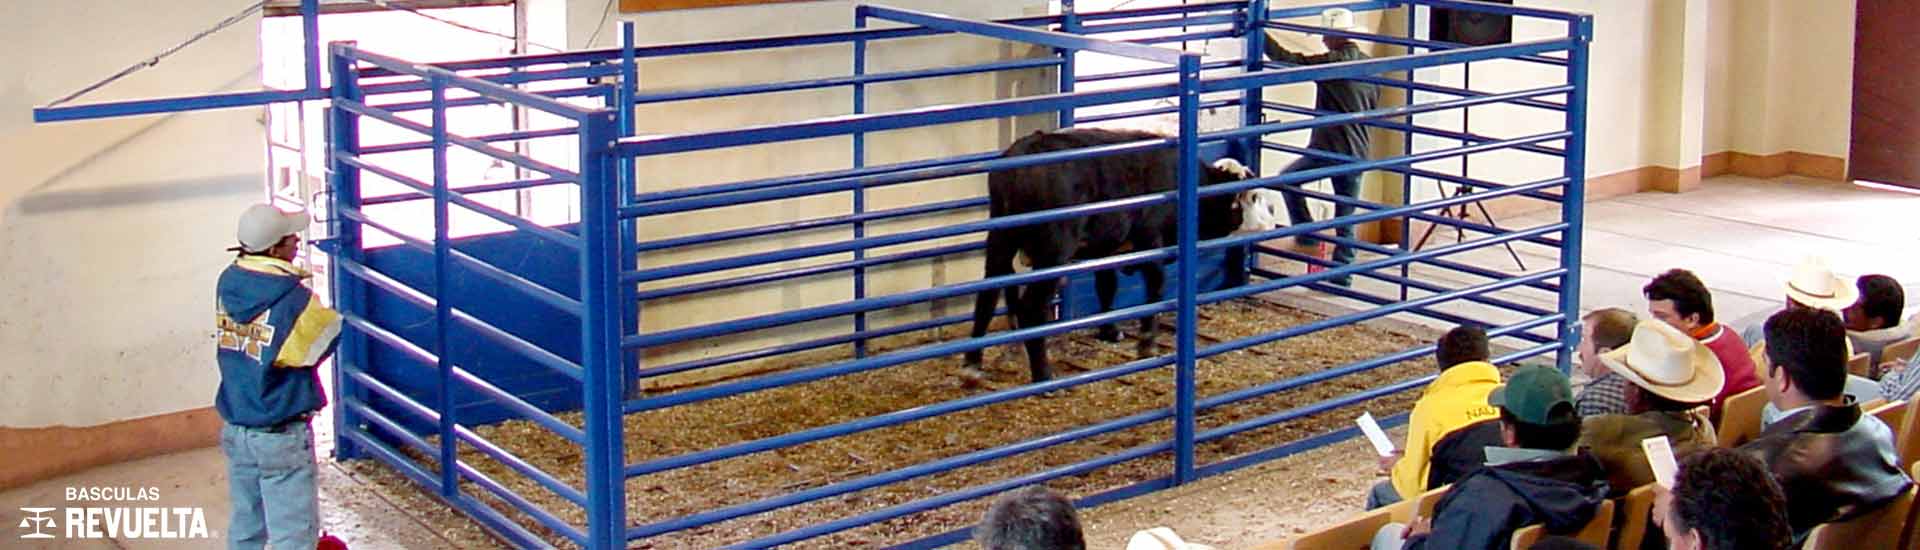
column 1032, row 306
column 999, row 261
column 1153, row 277
column 1105, row 284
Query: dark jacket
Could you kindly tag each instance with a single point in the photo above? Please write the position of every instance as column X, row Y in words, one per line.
column 1832, row 462
column 1335, row 96
column 1461, row 451
column 1483, row 509
column 1615, row 440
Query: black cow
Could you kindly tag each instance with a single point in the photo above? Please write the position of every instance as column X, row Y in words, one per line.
column 1063, row 184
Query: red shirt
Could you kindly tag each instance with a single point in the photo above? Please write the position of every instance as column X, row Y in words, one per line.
column 1734, row 360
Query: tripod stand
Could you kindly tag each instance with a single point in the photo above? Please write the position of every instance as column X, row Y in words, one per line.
column 1462, row 214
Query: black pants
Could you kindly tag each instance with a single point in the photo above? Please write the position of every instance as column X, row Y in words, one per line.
column 1345, row 185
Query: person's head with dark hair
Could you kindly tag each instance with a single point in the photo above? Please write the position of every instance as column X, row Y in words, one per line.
column 1678, row 298
column 1561, row 543
column 1030, row 518
column 1880, row 305
column 1807, row 352
column 1725, row 500
column 1536, row 409
column 1463, row 344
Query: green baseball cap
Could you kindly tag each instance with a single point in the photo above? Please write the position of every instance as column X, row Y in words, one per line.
column 1531, row 393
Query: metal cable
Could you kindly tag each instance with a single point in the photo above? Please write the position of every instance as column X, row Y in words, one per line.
column 155, row 60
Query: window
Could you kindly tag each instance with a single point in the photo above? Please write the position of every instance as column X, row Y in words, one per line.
column 296, row 149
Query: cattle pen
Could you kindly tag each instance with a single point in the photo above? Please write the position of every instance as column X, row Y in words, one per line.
column 557, row 328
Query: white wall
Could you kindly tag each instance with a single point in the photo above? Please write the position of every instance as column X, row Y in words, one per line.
column 111, row 232
column 743, row 163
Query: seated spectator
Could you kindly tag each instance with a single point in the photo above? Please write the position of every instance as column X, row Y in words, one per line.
column 1603, row 331
column 1832, row 461
column 1812, row 286
column 1457, row 399
column 1672, row 378
column 1898, row 381
column 1723, row 500
column 1678, row 298
column 1030, row 518
column 1535, row 479
column 1873, row 321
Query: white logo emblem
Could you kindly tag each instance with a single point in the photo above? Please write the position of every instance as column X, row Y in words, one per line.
column 36, row 523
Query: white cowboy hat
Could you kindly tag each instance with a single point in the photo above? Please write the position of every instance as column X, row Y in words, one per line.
column 1161, row 538
column 1814, row 284
column 1668, row 363
column 1340, row 18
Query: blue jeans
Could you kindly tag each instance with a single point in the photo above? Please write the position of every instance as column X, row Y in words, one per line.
column 270, row 477
column 1382, row 495
column 1347, row 185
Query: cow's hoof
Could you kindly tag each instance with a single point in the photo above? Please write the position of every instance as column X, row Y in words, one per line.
column 1110, row 333
column 972, row 378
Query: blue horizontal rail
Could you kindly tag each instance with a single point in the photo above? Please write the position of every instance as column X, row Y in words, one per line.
column 868, row 123
column 484, row 514
column 895, row 418
column 817, row 343
column 555, row 236
column 892, row 359
column 1398, row 41
column 1430, row 313
column 811, row 224
column 872, row 78
column 1018, row 33
column 1385, row 112
column 474, row 382
column 172, row 105
column 522, row 135
column 902, row 474
column 1093, row 119
column 471, row 101
column 1404, row 127
column 816, row 184
column 477, row 146
column 1369, row 67
column 802, row 272
column 1156, row 71
column 505, row 339
column 1470, row 183
column 1410, row 282
column 769, row 183
column 534, row 290
column 1162, row 23
column 410, row 196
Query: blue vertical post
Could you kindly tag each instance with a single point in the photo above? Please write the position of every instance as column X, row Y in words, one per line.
column 1253, row 60
column 629, row 228
column 1573, row 200
column 1070, row 24
column 1406, row 180
column 600, row 350
column 1253, row 111
column 442, row 295
column 1189, row 212
column 310, row 52
column 348, row 293
column 860, row 190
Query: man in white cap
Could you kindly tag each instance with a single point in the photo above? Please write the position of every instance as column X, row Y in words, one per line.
column 1335, row 96
column 271, row 332
column 1672, row 377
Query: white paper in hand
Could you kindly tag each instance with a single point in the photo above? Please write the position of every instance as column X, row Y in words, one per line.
column 1379, row 439
column 1660, row 458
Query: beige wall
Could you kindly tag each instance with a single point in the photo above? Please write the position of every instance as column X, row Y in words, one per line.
column 1782, row 76
column 744, row 163
column 111, row 232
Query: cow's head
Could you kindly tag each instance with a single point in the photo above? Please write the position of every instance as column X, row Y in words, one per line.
column 1249, row 211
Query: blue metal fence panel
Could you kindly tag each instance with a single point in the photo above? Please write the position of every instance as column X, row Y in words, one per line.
column 433, row 321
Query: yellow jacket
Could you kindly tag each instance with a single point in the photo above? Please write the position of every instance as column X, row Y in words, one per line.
column 1454, row 400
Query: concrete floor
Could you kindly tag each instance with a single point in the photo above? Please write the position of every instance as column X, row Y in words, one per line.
column 1740, row 235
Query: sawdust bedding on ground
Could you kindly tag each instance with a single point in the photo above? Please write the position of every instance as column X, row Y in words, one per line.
column 684, row 429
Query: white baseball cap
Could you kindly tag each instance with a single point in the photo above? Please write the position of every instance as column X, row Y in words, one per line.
column 263, row 225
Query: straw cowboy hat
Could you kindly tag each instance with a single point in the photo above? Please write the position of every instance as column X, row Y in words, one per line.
column 1341, row 19
column 1814, row 284
column 1668, row 363
column 1161, row 538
